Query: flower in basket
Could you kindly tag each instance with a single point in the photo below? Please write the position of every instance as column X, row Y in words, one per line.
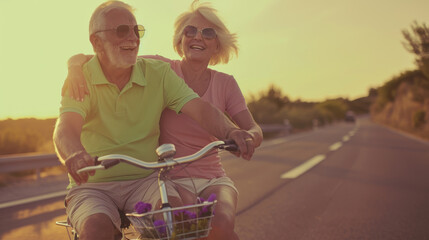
column 142, row 207
column 160, row 226
column 189, row 215
column 212, row 197
column 188, row 222
column 205, row 211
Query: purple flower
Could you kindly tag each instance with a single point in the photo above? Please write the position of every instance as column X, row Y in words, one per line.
column 190, row 214
column 160, row 226
column 200, row 199
column 178, row 212
column 142, row 207
column 204, row 211
column 212, row 197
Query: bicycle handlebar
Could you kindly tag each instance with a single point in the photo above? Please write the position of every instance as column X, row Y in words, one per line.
column 111, row 160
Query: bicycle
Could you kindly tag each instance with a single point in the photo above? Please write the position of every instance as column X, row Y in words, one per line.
column 174, row 224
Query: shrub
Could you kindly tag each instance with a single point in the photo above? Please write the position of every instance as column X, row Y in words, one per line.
column 419, row 119
column 26, row 135
column 388, row 91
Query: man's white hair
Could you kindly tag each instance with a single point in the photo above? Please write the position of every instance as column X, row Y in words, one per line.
column 97, row 19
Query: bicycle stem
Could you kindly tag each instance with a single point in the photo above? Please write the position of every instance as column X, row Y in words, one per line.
column 165, row 204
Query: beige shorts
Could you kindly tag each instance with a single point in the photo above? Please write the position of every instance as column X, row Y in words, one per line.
column 197, row 185
column 91, row 198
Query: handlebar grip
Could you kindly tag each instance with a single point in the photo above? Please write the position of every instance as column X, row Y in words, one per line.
column 110, row 163
column 102, row 165
column 229, row 142
column 96, row 162
column 229, row 145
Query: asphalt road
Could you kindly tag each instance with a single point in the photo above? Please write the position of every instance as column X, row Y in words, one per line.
column 346, row 181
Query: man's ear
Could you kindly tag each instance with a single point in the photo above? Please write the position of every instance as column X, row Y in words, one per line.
column 96, row 42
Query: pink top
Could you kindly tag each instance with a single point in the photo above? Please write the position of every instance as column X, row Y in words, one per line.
column 188, row 137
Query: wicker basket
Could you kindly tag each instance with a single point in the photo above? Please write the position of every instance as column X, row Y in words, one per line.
column 189, row 222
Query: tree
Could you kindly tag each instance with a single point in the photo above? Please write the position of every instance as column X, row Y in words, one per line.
column 417, row 42
column 274, row 95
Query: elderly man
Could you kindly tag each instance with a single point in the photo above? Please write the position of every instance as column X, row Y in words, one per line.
column 121, row 115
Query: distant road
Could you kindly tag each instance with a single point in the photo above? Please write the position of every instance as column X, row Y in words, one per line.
column 346, row 181
column 374, row 186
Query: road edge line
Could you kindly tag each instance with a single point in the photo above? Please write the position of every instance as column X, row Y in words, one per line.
column 33, row 199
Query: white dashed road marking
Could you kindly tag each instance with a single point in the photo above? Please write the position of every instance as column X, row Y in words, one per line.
column 307, row 165
column 335, row 146
column 296, row 172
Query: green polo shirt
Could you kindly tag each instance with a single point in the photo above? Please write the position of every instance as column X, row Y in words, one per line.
column 127, row 121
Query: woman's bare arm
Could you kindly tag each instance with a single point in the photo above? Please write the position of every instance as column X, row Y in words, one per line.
column 244, row 120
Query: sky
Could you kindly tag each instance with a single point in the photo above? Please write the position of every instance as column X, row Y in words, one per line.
column 313, row 50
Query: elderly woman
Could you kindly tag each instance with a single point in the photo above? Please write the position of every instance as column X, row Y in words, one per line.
column 200, row 39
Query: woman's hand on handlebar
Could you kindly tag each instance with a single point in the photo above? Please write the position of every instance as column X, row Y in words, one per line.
column 257, row 137
column 77, row 161
column 245, row 143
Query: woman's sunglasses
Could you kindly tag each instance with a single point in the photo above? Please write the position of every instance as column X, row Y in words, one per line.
column 207, row 33
column 123, row 30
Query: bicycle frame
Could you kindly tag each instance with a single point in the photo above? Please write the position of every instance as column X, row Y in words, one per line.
column 67, row 226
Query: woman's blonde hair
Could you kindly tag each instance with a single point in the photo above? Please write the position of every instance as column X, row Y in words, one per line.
column 227, row 41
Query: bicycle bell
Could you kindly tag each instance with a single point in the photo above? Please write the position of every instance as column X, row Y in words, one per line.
column 166, row 151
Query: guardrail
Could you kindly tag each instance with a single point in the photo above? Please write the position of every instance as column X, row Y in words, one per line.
column 23, row 162
column 16, row 163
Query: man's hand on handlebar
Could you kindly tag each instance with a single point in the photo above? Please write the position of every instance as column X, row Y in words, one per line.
column 245, row 142
column 77, row 161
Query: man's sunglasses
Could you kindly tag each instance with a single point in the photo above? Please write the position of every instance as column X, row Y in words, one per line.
column 123, row 30
column 207, row 33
